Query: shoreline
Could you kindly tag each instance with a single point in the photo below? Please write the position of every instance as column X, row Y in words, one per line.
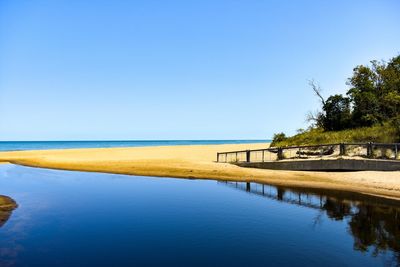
column 198, row 162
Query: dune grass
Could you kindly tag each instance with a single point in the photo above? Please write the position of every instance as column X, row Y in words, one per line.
column 386, row 133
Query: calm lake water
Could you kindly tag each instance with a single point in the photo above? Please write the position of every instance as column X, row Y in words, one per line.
column 40, row 145
column 91, row 219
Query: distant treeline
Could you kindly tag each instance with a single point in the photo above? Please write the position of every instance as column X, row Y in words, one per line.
column 373, row 99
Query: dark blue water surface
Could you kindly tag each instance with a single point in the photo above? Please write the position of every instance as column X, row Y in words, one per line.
column 90, row 219
column 40, row 145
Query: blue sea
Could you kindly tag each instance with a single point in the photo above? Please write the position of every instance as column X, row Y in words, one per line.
column 43, row 145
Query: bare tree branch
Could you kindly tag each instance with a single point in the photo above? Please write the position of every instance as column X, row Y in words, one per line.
column 317, row 90
column 312, row 117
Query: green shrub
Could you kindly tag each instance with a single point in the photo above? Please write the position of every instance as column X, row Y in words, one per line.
column 278, row 138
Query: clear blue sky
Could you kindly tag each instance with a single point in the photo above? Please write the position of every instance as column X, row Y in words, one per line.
column 74, row 70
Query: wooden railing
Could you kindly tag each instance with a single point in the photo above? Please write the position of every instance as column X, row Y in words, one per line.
column 362, row 150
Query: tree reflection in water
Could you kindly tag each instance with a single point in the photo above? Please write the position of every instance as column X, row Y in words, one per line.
column 373, row 222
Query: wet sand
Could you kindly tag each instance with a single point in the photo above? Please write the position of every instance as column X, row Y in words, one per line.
column 198, row 161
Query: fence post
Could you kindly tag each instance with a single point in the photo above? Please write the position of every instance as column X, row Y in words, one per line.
column 217, row 157
column 369, row 149
column 247, row 155
column 395, row 151
column 342, row 149
column 280, row 153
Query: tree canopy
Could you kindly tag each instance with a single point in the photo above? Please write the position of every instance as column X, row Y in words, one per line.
column 373, row 98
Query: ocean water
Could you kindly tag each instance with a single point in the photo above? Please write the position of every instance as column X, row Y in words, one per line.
column 42, row 145
column 67, row 218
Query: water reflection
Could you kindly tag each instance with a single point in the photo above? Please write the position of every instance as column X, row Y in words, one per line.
column 7, row 205
column 91, row 219
column 373, row 222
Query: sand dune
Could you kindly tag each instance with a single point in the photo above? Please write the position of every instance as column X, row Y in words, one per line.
column 199, row 162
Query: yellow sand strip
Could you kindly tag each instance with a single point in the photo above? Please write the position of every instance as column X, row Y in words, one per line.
column 198, row 162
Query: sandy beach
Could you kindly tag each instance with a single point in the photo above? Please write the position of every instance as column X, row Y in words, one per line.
column 198, row 161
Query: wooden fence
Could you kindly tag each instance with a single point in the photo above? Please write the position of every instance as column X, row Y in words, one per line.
column 362, row 150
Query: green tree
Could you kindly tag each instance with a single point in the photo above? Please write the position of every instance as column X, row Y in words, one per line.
column 375, row 92
column 389, row 77
column 364, row 97
column 337, row 113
